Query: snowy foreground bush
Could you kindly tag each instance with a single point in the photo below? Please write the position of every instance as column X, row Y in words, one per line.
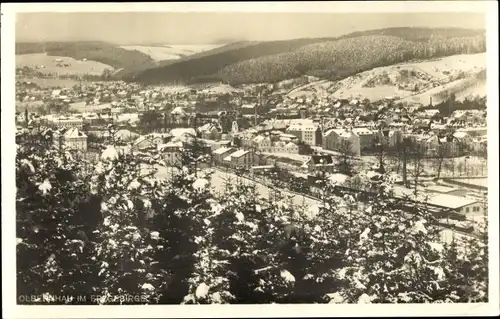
column 105, row 234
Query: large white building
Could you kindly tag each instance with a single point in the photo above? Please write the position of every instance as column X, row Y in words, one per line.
column 306, row 131
column 72, row 139
column 239, row 159
column 333, row 140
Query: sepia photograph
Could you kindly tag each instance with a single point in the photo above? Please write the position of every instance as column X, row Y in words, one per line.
column 246, row 156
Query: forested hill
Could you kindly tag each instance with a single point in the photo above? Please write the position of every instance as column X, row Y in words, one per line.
column 103, row 52
column 330, row 58
column 418, row 34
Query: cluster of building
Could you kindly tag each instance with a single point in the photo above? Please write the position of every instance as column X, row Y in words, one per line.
column 253, row 122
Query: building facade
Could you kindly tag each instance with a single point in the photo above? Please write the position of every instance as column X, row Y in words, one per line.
column 72, row 139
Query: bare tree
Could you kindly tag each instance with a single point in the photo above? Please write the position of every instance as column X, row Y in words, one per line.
column 443, row 152
column 460, row 167
column 106, row 74
column 404, row 152
column 346, row 153
column 463, row 148
column 484, row 160
column 417, row 156
column 398, row 150
column 449, row 164
column 381, row 152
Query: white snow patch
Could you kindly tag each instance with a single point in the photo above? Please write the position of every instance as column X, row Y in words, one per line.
column 202, row 290
column 134, row 185
column 437, row 247
column 365, row 299
column 335, row 297
column 147, row 286
column 155, row 235
column 45, row 187
column 109, row 153
column 419, row 227
column 285, row 274
column 200, row 183
column 240, row 217
column 364, row 235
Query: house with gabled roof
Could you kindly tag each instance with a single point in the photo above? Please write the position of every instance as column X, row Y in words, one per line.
column 74, row 139
column 459, row 204
column 262, row 143
column 390, row 137
column 219, row 154
column 171, row 153
column 239, row 159
column 320, row 163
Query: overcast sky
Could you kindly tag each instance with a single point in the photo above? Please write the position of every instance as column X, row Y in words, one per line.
column 207, row 28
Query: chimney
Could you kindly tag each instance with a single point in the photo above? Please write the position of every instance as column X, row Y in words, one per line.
column 430, row 101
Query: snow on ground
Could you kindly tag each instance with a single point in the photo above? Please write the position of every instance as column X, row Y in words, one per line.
column 219, row 179
column 454, row 87
column 175, row 89
column 429, row 71
column 320, row 149
column 447, row 235
column 474, row 181
column 296, row 157
column 321, row 86
column 476, row 166
column 163, row 172
column 50, row 64
column 221, row 89
column 170, row 52
column 156, row 53
column 373, row 94
column 463, row 62
column 31, row 106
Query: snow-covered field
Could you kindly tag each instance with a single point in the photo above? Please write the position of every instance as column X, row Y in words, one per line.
column 474, row 181
column 296, row 157
column 448, row 234
column 425, row 73
column 461, row 62
column 170, row 52
column 221, row 89
column 321, row 87
column 32, row 106
column 474, row 166
column 51, row 82
column 478, row 89
column 50, row 65
column 170, row 89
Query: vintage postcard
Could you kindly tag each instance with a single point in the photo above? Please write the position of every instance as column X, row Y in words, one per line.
column 250, row 159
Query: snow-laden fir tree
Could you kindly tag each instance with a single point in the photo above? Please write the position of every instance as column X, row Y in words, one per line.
column 126, row 245
column 54, row 229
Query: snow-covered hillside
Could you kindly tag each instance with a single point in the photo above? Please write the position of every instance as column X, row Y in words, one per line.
column 416, row 81
column 170, row 52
